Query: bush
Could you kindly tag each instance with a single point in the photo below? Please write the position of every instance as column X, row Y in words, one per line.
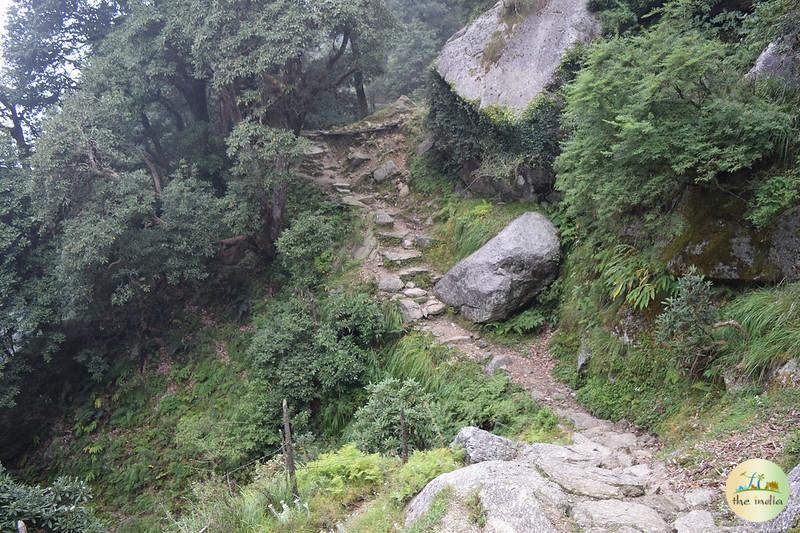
column 306, row 247
column 342, row 471
column 60, row 507
column 687, row 323
column 377, row 426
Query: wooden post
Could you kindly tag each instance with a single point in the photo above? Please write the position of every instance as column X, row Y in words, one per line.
column 288, row 450
column 404, row 437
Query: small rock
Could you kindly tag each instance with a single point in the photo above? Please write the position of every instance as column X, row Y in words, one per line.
column 498, row 362
column 787, row 376
column 435, row 309
column 314, row 149
column 415, row 292
column 353, row 202
column 425, row 146
column 410, row 310
column 411, row 273
column 423, row 241
column 482, row 344
column 356, row 157
column 584, row 355
column 695, row 522
column 410, row 285
column 639, row 470
column 387, row 170
column 480, row 445
column 403, row 190
column 341, row 185
column 383, row 219
column 407, row 244
column 390, row 284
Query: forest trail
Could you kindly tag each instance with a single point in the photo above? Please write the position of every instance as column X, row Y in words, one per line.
column 612, row 462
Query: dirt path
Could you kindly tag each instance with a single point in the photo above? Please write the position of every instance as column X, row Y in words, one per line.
column 396, row 234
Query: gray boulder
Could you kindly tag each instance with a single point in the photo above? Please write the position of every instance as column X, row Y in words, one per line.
column 480, row 446
column 510, row 54
column 618, row 515
column 779, row 61
column 513, row 497
column 387, row 170
column 506, row 273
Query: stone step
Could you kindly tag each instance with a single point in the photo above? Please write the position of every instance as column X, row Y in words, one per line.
column 401, row 256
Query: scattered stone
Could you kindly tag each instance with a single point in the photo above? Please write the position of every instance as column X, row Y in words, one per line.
column 695, row 522
column 343, row 191
column 642, row 470
column 482, row 344
column 498, row 362
column 407, row 244
column 410, row 310
column 410, row 285
column 403, row 191
column 356, row 157
column 423, row 241
column 341, row 184
column 387, row 170
column 412, row 273
column 614, row 515
column 480, row 445
column 425, row 146
column 401, row 256
column 314, row 149
column 390, row 283
column 506, row 273
column 701, row 497
column 415, row 292
column 392, row 237
column 383, row 219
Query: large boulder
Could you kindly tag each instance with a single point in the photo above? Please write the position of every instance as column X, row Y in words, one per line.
column 480, row 446
column 506, row 273
column 512, row 52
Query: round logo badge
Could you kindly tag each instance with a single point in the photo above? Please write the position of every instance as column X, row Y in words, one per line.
column 757, row 490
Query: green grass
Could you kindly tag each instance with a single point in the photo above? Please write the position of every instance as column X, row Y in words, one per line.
column 428, row 523
column 463, row 226
column 771, row 319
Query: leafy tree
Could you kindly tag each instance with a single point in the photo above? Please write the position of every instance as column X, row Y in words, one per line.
column 377, row 425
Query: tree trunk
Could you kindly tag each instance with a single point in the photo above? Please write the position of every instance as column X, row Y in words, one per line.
column 358, row 81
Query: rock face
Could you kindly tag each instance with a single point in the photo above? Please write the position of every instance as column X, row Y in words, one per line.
column 589, row 485
column 724, row 248
column 506, row 273
column 510, row 53
column 779, row 61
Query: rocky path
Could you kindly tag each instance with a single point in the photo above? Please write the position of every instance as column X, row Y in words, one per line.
column 608, row 479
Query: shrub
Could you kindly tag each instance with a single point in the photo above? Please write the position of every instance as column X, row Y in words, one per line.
column 345, row 470
column 687, row 323
column 61, row 506
column 377, row 426
column 628, row 275
column 306, row 247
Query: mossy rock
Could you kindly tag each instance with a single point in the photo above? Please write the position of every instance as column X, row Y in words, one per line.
column 724, row 247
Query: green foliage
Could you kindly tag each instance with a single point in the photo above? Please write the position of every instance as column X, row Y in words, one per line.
column 504, row 145
column 619, row 16
column 687, row 321
column 60, row 507
column 774, row 196
column 422, row 467
column 306, row 247
column 429, row 522
column 377, row 425
column 347, row 469
column 655, row 114
column 770, row 319
column 526, row 322
column 628, row 275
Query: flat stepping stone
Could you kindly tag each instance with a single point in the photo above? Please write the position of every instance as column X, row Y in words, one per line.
column 353, row 202
column 456, row 339
column 394, row 237
column 401, row 256
column 434, row 309
column 411, row 273
column 383, row 219
column 415, row 292
column 390, row 284
column 617, row 515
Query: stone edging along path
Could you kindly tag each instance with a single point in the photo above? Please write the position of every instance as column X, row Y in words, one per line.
column 608, row 479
